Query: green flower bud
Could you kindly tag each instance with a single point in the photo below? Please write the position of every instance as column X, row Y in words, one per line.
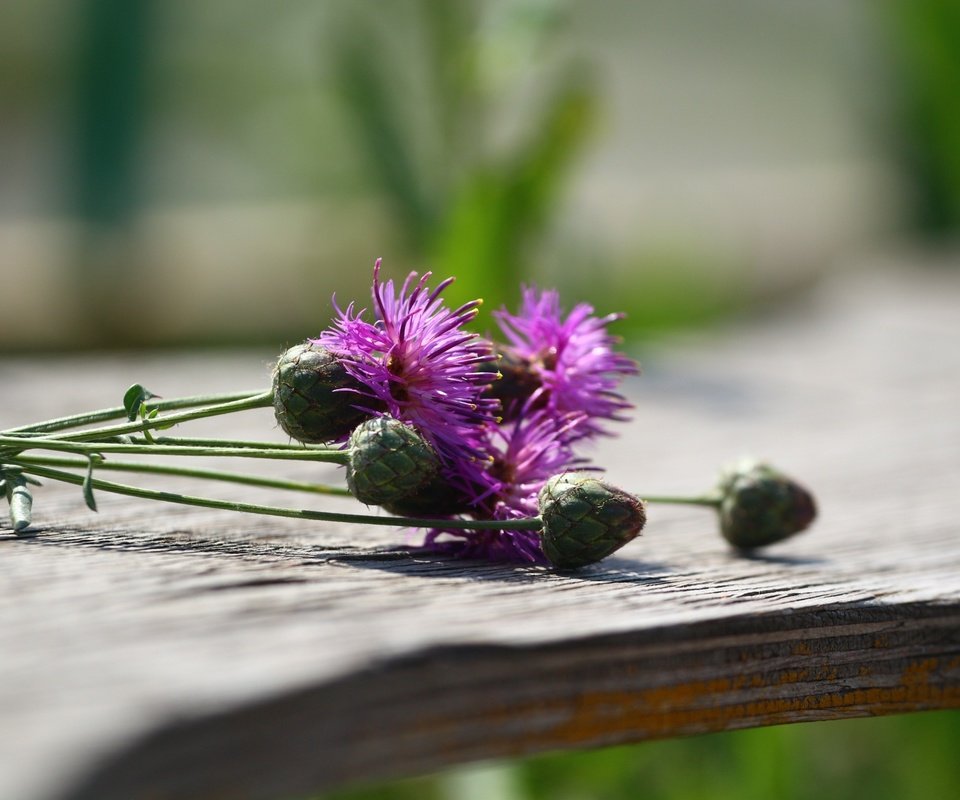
column 436, row 498
column 585, row 519
column 388, row 461
column 760, row 505
column 305, row 399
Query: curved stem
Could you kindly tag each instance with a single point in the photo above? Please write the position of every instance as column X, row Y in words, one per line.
column 251, row 401
column 205, row 474
column 107, row 414
column 330, row 456
column 528, row 524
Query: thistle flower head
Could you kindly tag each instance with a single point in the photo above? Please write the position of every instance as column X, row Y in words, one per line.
column 416, row 360
column 585, row 519
column 760, row 505
column 314, row 396
column 388, row 460
column 566, row 364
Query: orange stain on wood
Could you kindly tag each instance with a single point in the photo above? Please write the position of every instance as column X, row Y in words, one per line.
column 668, row 710
column 919, row 672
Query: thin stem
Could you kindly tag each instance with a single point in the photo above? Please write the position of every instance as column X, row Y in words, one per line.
column 527, row 524
column 185, row 472
column 234, row 443
column 682, row 501
column 330, row 456
column 106, row 414
column 250, row 401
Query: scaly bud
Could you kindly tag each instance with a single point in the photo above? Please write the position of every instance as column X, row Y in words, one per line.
column 585, row 519
column 388, row 461
column 760, row 505
column 305, row 397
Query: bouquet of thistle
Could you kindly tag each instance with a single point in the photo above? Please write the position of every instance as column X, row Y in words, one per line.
column 476, row 442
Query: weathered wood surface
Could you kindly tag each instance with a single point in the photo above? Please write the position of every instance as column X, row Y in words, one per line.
column 168, row 652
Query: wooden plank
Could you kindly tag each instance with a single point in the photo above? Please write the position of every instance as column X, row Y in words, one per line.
column 177, row 653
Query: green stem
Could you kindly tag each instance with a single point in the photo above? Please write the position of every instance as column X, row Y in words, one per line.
column 250, row 401
column 185, row 472
column 234, row 443
column 527, row 524
column 21, row 501
column 330, row 456
column 106, row 414
column 682, row 501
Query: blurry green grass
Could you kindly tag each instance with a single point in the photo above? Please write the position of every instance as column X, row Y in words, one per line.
column 908, row 756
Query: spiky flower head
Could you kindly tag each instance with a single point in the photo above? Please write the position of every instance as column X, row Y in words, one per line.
column 314, row 396
column 388, row 460
column 526, row 453
column 566, row 364
column 586, row 519
column 760, row 505
column 416, row 360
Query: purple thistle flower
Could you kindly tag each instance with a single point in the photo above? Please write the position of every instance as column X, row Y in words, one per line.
column 571, row 361
column 416, row 361
column 526, row 454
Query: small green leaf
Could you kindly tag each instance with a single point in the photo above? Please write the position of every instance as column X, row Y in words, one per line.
column 32, row 480
column 134, row 398
column 88, row 484
column 151, row 415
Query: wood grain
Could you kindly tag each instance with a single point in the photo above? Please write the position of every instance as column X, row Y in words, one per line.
column 154, row 652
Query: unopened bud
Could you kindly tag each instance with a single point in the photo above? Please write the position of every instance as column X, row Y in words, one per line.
column 585, row 519
column 388, row 461
column 760, row 505
column 306, row 399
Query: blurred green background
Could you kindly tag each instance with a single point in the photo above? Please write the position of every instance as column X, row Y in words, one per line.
column 205, row 172
column 202, row 172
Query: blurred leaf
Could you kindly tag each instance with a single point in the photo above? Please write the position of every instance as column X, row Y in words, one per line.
column 112, row 71
column 924, row 40
column 377, row 123
column 500, row 210
column 478, row 216
column 451, row 52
